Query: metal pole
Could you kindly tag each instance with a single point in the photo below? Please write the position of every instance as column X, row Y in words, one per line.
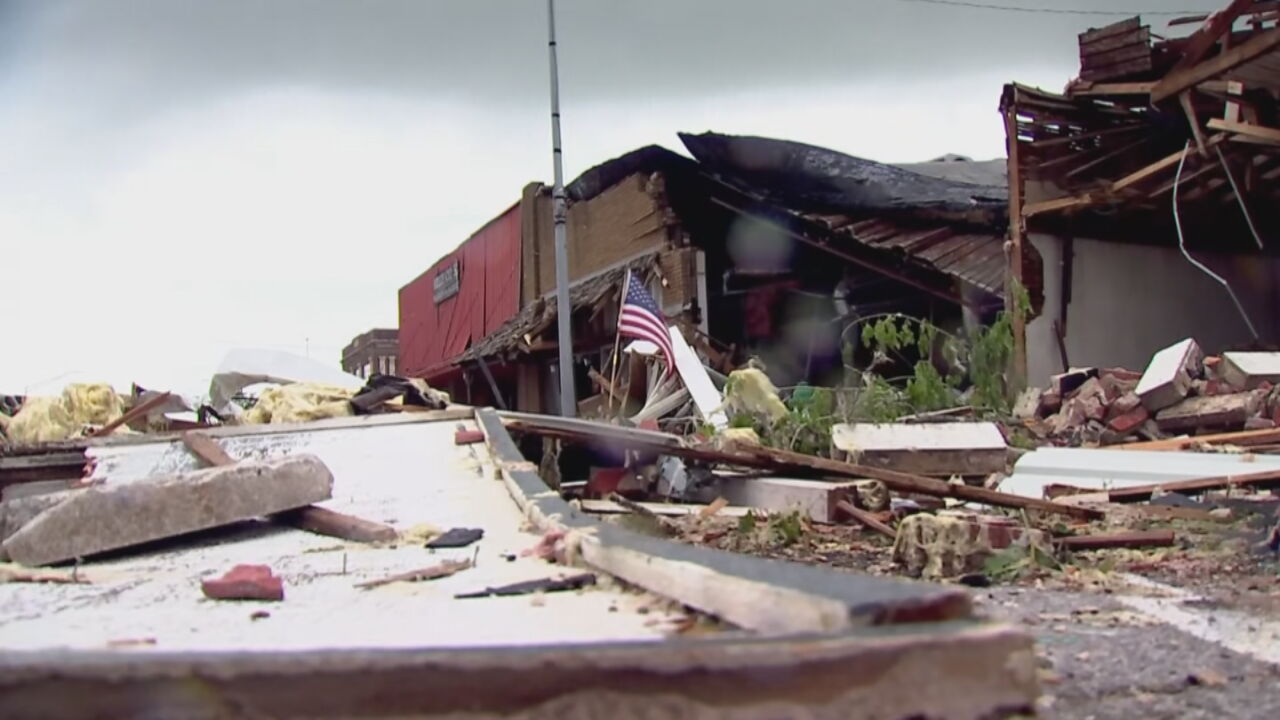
column 564, row 312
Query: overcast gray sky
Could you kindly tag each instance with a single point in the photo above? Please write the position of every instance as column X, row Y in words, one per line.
column 179, row 177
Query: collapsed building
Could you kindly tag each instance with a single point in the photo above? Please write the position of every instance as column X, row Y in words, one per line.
column 755, row 247
column 1149, row 187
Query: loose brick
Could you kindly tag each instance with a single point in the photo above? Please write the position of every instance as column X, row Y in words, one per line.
column 468, row 437
column 1129, row 421
column 244, row 582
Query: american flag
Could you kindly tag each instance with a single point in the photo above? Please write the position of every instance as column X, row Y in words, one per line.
column 641, row 318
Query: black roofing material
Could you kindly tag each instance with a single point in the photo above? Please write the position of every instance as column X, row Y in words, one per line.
column 807, row 177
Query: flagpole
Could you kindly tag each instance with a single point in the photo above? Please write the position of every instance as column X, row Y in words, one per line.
column 564, row 312
column 617, row 341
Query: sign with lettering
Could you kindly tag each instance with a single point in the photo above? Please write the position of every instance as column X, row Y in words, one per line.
column 446, row 283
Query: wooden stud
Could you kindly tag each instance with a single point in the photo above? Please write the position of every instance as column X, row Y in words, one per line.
column 1179, row 80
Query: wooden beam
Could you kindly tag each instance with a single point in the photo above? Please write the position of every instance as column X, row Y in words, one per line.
column 603, row 383
column 1134, row 539
column 1109, row 155
column 1066, row 139
column 866, row 518
column 1064, row 203
column 1158, row 166
column 1202, row 41
column 1140, row 493
column 1179, row 80
column 1245, row 438
column 1264, row 134
column 134, row 413
column 1109, row 89
column 311, row 518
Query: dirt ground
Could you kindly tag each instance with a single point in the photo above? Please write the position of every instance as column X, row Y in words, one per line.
column 1187, row 631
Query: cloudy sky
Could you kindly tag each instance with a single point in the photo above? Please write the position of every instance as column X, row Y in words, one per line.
column 180, row 177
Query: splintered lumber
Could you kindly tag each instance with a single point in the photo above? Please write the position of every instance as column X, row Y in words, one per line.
column 1136, row 539
column 323, row 521
column 960, row 448
column 1244, row 438
column 134, row 413
column 311, row 518
column 775, row 460
column 110, row 516
column 206, row 448
column 1138, row 493
column 867, row 519
column 433, row 572
column 1183, row 78
column 907, row 483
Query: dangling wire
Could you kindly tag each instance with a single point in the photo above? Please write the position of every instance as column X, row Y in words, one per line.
column 1182, row 245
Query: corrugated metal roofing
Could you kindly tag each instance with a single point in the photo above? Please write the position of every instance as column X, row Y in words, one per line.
column 1099, row 469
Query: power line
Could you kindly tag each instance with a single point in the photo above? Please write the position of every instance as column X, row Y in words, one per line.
column 1058, row 11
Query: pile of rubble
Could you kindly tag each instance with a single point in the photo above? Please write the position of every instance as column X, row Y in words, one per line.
column 1180, row 392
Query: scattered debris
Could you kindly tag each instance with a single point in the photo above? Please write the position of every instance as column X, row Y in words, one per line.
column 959, row 448
column 14, row 573
column 545, row 585
column 244, row 582
column 444, row 568
column 110, row 516
column 456, row 538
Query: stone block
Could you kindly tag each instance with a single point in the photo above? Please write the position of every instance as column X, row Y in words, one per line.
column 244, row 582
column 1168, row 376
column 948, row 544
column 16, row 513
column 1218, row 411
column 107, row 517
column 1249, row 370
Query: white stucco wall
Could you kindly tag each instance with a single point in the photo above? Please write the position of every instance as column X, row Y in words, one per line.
column 1129, row 300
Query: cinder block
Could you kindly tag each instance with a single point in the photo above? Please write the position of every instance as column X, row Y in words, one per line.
column 1168, row 376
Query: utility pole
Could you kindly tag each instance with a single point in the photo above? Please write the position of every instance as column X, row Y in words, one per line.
column 564, row 313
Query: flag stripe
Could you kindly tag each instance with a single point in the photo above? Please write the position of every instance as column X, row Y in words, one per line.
column 640, row 317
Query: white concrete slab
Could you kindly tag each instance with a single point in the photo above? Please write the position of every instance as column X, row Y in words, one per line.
column 1248, row 370
column 1102, row 469
column 402, row 474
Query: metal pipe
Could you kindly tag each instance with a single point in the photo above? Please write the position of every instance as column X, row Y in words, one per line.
column 1182, row 245
column 564, row 311
column 1239, row 198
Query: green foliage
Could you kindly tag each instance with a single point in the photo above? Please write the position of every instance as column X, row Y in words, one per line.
column 786, row 530
column 980, row 361
column 1018, row 561
column 747, row 523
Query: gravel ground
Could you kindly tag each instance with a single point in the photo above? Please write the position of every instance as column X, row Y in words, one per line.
column 1101, row 660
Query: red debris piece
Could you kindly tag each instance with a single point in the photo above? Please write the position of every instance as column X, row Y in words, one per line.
column 1129, row 421
column 649, row 424
column 245, row 582
column 468, row 437
column 605, row 480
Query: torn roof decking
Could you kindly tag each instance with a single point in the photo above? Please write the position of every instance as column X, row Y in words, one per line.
column 140, row 630
column 1105, row 154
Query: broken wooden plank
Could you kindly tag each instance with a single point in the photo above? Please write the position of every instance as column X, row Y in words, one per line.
column 905, row 482
column 775, row 460
column 1244, row 438
column 609, row 507
column 433, row 572
column 1181, row 79
column 323, row 521
column 111, row 516
column 206, row 448
column 134, row 413
column 1168, row 376
column 868, row 519
column 1133, row 539
column 603, row 383
column 960, row 448
column 1139, row 493
column 1266, row 135
column 1199, row 43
